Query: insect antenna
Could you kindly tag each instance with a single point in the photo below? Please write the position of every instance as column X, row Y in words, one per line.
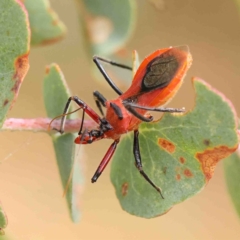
column 64, row 114
column 75, row 158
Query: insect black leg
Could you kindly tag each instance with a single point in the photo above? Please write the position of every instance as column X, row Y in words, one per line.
column 138, row 115
column 83, row 106
column 138, row 161
column 100, row 101
column 160, row 109
column 97, row 60
column 105, row 161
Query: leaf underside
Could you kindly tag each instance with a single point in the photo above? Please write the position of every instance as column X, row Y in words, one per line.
column 179, row 153
column 67, row 154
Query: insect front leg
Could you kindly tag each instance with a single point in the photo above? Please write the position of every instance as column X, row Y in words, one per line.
column 105, row 160
column 138, row 161
column 91, row 113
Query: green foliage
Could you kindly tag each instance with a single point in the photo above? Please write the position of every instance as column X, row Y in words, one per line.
column 56, row 95
column 107, row 24
column 232, row 176
column 179, row 154
column 44, row 22
column 3, row 219
column 14, row 49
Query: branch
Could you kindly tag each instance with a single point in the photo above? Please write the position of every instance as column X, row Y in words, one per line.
column 42, row 124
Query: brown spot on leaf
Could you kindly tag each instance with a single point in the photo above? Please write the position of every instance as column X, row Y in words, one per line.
column 21, row 68
column 210, row 157
column 187, row 173
column 178, row 177
column 206, row 142
column 5, row 102
column 125, row 189
column 165, row 170
column 167, row 145
column 182, row 160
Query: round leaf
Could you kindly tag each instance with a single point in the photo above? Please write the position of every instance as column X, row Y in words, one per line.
column 14, row 49
column 45, row 25
column 107, row 24
column 179, row 154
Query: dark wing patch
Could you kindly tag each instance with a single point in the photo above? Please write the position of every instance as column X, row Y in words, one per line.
column 160, row 71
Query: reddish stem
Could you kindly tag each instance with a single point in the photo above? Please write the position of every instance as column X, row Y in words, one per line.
column 42, row 124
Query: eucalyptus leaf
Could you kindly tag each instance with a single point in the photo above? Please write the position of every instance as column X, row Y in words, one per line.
column 56, row 95
column 179, row 154
column 14, row 50
column 46, row 27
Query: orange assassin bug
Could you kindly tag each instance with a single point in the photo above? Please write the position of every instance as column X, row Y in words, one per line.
column 156, row 81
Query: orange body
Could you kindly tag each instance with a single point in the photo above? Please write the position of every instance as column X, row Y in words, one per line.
column 154, row 98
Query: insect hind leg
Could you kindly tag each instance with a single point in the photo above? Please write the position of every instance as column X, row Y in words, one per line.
column 138, row 162
column 105, row 161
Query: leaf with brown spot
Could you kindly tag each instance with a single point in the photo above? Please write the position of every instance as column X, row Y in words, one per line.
column 175, row 154
column 14, row 48
column 166, row 145
column 46, row 27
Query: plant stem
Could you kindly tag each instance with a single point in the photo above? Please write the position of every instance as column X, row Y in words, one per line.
column 42, row 124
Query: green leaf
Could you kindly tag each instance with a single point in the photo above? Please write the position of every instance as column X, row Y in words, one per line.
column 107, row 24
column 45, row 25
column 179, row 153
column 56, row 95
column 232, row 170
column 14, row 49
column 3, row 220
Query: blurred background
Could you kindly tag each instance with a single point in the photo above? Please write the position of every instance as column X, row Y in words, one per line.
column 31, row 191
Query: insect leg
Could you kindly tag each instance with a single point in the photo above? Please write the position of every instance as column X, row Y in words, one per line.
column 160, row 109
column 138, row 161
column 100, row 101
column 82, row 105
column 97, row 60
column 138, row 115
column 105, row 161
